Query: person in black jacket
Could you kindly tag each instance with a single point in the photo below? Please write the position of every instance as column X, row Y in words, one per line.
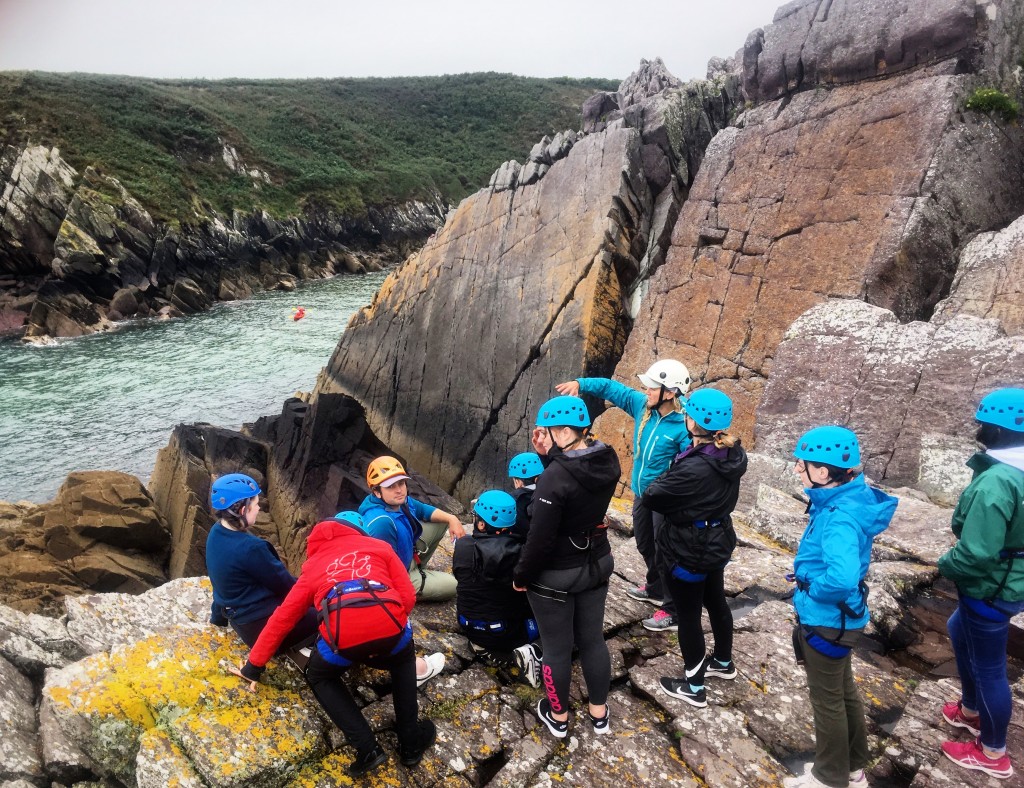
column 495, row 618
column 697, row 495
column 523, row 470
column 566, row 561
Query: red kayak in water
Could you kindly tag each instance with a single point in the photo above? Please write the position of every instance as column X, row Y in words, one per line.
column 299, row 314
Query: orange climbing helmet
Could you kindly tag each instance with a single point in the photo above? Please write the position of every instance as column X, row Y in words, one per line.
column 385, row 471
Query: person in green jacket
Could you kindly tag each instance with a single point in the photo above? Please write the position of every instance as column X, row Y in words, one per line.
column 987, row 565
column 659, row 434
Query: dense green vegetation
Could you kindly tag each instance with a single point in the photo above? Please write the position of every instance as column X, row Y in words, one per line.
column 334, row 143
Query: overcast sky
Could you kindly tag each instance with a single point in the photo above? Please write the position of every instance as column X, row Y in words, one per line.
column 216, row 39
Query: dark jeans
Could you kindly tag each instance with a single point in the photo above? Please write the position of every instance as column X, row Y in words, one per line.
column 840, row 736
column 579, row 619
column 980, row 649
column 305, row 630
column 326, row 683
column 646, row 525
column 689, row 599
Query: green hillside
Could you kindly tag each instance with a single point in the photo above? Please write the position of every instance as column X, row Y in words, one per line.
column 336, row 143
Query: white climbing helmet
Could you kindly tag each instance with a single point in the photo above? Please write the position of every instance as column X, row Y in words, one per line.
column 669, row 373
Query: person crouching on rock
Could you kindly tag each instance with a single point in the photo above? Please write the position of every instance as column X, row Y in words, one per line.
column 566, row 561
column 523, row 470
column 659, row 434
column 249, row 580
column 364, row 598
column 831, row 598
column 697, row 496
column 987, row 565
column 413, row 529
column 495, row 617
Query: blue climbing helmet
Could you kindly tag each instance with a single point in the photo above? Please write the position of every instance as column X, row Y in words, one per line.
column 525, row 466
column 710, row 408
column 564, row 411
column 1004, row 408
column 228, row 490
column 836, row 446
column 352, row 518
column 496, row 508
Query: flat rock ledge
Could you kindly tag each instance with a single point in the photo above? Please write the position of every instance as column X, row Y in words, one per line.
column 134, row 690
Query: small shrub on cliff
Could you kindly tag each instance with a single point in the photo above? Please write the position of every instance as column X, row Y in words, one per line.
column 993, row 102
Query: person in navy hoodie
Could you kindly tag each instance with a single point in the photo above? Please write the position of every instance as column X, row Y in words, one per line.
column 659, row 434
column 249, row 580
column 831, row 598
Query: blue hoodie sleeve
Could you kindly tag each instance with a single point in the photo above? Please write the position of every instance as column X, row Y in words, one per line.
column 840, row 544
column 265, row 565
column 620, row 395
column 421, row 511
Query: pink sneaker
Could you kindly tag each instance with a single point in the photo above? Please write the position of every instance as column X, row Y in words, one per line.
column 953, row 713
column 970, row 755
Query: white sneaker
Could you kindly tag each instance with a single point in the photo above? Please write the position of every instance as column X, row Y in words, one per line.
column 435, row 664
column 529, row 663
column 858, row 779
column 806, row 780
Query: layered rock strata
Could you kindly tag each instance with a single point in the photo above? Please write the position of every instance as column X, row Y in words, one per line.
column 867, row 190
column 526, row 281
column 78, row 252
column 102, row 532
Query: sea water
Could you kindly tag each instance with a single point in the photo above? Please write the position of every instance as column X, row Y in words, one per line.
column 109, row 401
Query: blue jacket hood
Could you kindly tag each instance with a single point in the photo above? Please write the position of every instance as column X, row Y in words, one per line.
column 835, row 552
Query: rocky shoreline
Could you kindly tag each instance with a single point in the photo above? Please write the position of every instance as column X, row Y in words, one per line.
column 79, row 253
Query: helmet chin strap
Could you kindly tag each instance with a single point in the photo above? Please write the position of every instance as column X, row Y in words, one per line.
column 555, row 443
column 661, row 398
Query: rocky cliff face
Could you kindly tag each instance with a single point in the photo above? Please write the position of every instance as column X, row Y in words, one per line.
column 527, row 280
column 864, row 181
column 78, row 252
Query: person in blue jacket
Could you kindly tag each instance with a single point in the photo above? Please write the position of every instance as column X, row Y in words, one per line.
column 249, row 580
column 414, row 529
column 831, row 598
column 659, row 434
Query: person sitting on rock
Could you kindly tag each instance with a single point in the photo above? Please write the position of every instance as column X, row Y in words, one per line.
column 364, row 598
column 987, row 565
column 495, row 618
column 413, row 529
column 696, row 496
column 831, row 598
column 659, row 434
column 523, row 470
column 249, row 580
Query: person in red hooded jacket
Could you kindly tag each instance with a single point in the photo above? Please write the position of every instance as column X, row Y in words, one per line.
column 364, row 596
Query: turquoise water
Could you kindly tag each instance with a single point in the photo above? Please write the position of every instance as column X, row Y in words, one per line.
column 109, row 401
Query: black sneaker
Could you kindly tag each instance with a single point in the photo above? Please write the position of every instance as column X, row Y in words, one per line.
column 720, row 670
column 367, row 761
column 426, row 736
column 680, row 688
column 558, row 728
column 601, row 726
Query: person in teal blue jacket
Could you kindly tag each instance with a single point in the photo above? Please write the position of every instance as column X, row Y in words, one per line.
column 659, row 434
column 831, row 598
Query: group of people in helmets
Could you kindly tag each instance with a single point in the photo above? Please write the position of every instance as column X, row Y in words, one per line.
column 531, row 579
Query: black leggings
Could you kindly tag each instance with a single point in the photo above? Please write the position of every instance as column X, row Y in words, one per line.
column 329, row 688
column 689, row 599
column 303, row 633
column 579, row 618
